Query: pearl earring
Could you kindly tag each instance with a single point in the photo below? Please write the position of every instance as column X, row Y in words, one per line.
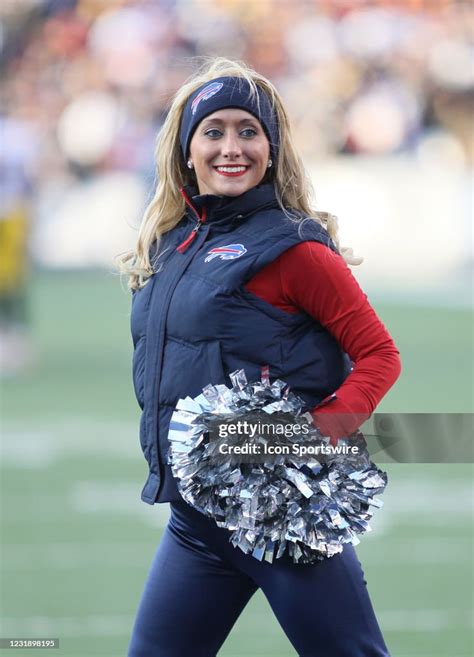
column 269, row 164
column 190, row 164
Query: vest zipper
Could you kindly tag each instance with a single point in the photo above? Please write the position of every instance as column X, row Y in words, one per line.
column 201, row 219
column 184, row 245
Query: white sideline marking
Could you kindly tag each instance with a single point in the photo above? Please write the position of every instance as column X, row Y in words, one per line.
column 109, row 498
column 116, row 498
column 72, row 626
column 418, row 550
column 391, row 620
column 27, row 448
column 424, row 620
column 69, row 555
column 429, row 497
column 78, row 555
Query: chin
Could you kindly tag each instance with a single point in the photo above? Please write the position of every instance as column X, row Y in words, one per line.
column 234, row 192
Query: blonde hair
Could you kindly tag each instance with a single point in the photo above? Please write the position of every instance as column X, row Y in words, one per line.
column 292, row 184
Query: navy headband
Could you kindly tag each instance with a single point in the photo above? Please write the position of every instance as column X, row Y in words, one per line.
column 222, row 93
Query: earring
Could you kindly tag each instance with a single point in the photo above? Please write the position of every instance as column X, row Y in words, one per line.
column 269, row 164
column 190, row 164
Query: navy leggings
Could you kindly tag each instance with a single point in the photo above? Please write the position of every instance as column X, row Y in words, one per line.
column 199, row 584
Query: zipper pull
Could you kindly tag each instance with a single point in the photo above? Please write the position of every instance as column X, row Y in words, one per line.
column 184, row 245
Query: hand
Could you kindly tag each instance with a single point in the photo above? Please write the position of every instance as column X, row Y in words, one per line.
column 348, row 255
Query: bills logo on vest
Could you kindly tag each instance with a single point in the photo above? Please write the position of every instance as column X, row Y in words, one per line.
column 205, row 94
column 229, row 252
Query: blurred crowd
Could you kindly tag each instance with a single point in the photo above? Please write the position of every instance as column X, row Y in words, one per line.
column 89, row 81
column 86, row 84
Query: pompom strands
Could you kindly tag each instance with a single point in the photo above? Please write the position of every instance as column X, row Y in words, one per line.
column 305, row 506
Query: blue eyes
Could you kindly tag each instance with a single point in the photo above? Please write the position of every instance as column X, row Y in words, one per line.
column 214, row 133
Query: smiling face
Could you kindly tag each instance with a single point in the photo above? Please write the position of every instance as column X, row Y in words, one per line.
column 229, row 152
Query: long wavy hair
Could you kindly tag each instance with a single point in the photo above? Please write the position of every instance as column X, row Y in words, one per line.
column 293, row 187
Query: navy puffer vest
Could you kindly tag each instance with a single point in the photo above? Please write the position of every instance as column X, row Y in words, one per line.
column 194, row 322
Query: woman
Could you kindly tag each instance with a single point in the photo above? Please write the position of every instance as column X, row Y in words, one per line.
column 233, row 269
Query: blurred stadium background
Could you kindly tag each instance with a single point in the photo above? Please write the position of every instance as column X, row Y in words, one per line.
column 380, row 95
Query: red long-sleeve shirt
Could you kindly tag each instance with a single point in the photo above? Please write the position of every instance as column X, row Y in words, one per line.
column 313, row 278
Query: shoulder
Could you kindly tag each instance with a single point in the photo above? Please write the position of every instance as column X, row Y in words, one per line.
column 302, row 229
column 313, row 262
column 312, row 254
column 289, row 221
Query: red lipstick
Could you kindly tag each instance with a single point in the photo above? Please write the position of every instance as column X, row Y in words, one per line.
column 232, row 174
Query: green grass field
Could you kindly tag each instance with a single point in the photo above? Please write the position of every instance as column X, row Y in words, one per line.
column 77, row 540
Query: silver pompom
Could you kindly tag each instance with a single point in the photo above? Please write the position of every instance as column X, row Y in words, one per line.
column 304, row 505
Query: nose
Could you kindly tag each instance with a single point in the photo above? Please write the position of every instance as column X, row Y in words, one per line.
column 230, row 146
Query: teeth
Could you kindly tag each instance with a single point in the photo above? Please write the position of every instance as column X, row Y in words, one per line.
column 231, row 169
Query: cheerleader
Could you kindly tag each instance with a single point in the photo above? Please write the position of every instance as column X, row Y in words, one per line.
column 234, row 269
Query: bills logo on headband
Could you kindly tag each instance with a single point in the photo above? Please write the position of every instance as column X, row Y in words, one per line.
column 229, row 252
column 205, row 94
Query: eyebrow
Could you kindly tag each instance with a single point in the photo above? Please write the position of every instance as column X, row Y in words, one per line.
column 241, row 122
